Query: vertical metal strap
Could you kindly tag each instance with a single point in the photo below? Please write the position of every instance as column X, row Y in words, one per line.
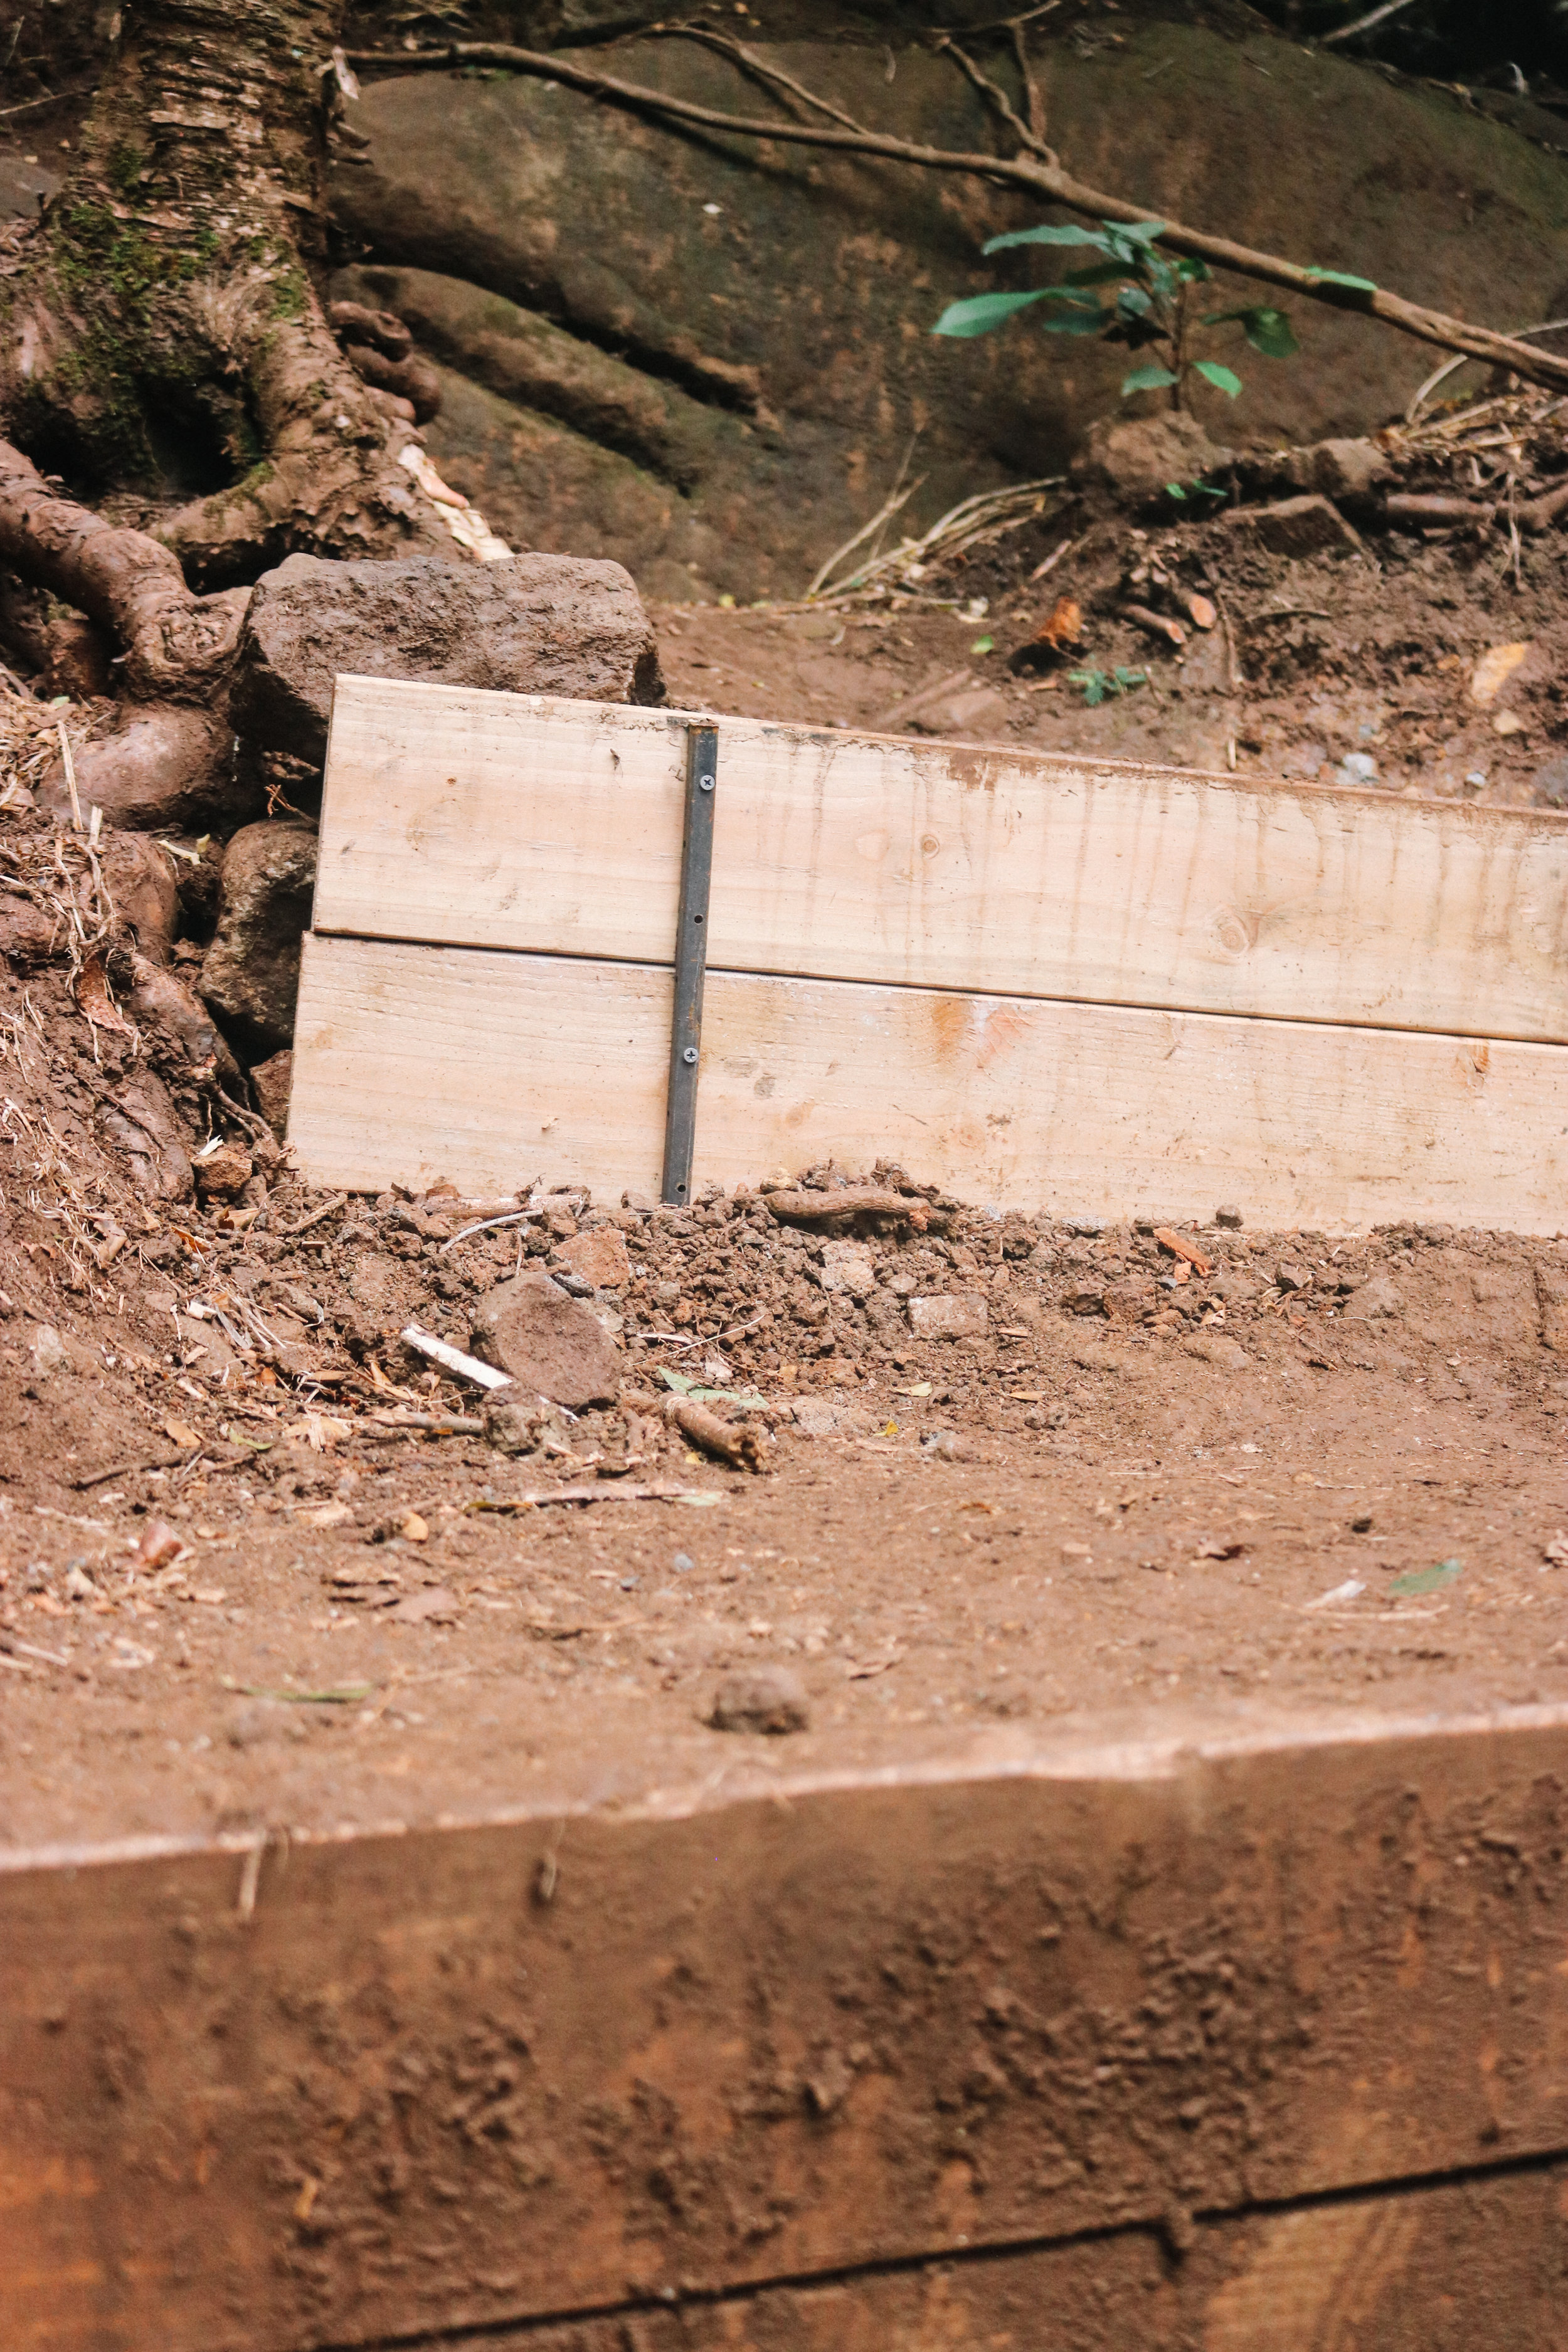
column 691, row 962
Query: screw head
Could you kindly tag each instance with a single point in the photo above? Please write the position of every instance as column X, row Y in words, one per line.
column 704, row 783
column 690, row 1056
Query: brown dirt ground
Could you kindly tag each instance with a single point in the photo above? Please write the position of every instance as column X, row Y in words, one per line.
column 1146, row 1490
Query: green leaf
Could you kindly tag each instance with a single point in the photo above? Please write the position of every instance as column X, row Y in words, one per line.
column 1193, row 271
column 1093, row 682
column 1076, row 324
column 1428, row 1579
column 1126, row 679
column 1135, row 232
column 980, row 312
column 1339, row 277
column 1174, row 490
column 984, row 646
column 1266, row 330
column 1070, row 235
column 1134, row 302
column 1104, row 273
column 1220, row 377
column 1146, row 378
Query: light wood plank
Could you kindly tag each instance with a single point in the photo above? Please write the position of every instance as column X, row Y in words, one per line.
column 418, row 1063
column 517, row 820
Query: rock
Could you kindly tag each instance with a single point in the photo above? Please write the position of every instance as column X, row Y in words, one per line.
column 1552, row 1300
column 1294, row 1278
column 954, row 1315
column 980, row 712
column 944, row 1445
column 1211, row 1347
column 598, row 1257
column 766, row 1699
column 849, row 1266
column 222, row 1174
column 518, row 1425
column 776, row 347
column 1341, row 470
column 1130, row 460
column 552, row 1346
column 250, row 974
column 163, row 765
column 537, row 624
column 1230, row 1217
column 47, row 1351
column 1297, row 527
column 272, row 1083
column 1376, row 1298
column 819, row 1416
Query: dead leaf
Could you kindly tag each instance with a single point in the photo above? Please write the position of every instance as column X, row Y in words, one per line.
column 319, row 1429
column 1063, row 624
column 181, row 1431
column 1493, row 670
column 92, row 996
column 324, row 1514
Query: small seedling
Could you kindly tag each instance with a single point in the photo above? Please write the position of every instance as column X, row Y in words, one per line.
column 1098, row 684
column 1137, row 297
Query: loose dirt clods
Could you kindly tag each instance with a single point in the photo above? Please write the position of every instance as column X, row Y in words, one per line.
column 234, row 1503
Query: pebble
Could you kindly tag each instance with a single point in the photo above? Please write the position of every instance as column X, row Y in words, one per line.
column 767, row 1699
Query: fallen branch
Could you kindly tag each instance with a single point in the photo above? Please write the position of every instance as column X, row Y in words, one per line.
column 732, row 1442
column 837, row 1207
column 1033, row 172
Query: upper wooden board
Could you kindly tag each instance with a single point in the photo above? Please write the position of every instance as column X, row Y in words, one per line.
column 516, row 821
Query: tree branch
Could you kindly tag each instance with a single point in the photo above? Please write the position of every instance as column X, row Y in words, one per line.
column 1039, row 177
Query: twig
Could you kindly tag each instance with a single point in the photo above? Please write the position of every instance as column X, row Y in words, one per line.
column 884, row 514
column 488, row 1225
column 316, row 1217
column 997, row 99
column 127, row 1470
column 1234, row 679
column 467, row 1368
column 765, row 73
column 70, row 774
column 1044, row 178
column 1365, row 24
column 423, row 1424
column 1052, row 560
column 1420, row 398
column 1032, row 93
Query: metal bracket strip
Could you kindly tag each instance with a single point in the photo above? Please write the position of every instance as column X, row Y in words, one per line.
column 691, row 962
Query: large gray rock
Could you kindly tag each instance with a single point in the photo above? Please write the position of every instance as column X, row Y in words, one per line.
column 552, row 1345
column 770, row 310
column 250, row 974
column 539, row 624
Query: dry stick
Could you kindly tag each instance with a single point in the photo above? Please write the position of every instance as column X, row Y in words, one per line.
column 70, row 774
column 1043, row 179
column 1365, row 24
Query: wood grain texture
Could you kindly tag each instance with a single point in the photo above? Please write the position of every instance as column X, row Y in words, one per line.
column 1040, row 1986
column 413, row 1063
column 513, row 820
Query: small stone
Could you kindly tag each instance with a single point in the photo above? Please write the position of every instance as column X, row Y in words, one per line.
column 598, row 1258
column 80, row 1586
column 1230, row 1217
column 250, row 974
column 510, row 1425
column 849, row 1266
column 222, row 1174
column 1297, row 527
column 953, row 1315
column 944, row 1446
column 767, row 1699
column 552, row 1346
column 1374, row 1300
column 48, row 1351
column 1294, row 1278
column 258, row 1719
column 272, row 1083
column 818, row 1416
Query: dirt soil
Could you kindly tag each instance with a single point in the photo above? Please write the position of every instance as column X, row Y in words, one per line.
column 1122, row 1488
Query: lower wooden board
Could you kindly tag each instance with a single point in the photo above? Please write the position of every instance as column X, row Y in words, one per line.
column 387, row 2086
column 490, row 1069
column 1450, row 2267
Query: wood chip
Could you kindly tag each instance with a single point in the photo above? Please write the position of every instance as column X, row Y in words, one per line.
column 1179, row 1247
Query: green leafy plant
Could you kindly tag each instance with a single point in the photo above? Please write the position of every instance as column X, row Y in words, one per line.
column 1134, row 296
column 1098, row 684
